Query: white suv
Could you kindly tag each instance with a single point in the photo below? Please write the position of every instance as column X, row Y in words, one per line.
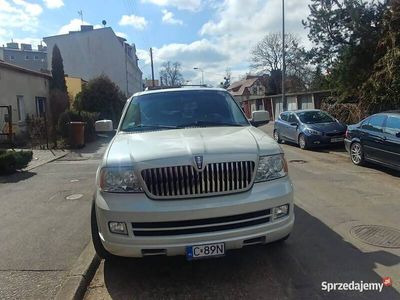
column 188, row 174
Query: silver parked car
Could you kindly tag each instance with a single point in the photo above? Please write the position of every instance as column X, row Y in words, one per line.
column 188, row 174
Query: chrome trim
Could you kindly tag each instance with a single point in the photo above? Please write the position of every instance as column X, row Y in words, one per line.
column 175, row 182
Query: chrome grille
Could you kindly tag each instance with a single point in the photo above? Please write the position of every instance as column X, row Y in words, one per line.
column 186, row 181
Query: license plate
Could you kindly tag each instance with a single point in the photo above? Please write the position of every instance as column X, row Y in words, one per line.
column 203, row 251
column 336, row 140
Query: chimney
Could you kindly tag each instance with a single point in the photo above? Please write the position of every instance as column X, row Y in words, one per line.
column 12, row 45
column 26, row 47
column 86, row 28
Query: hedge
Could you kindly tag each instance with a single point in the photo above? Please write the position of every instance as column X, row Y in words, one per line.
column 10, row 160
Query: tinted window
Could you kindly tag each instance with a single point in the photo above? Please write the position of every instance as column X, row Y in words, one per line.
column 315, row 116
column 284, row 116
column 374, row 123
column 293, row 119
column 393, row 126
column 178, row 109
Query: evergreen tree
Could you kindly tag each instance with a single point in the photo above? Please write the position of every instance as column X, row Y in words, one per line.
column 382, row 89
column 57, row 71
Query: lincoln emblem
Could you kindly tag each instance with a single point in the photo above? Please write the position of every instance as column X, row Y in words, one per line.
column 199, row 161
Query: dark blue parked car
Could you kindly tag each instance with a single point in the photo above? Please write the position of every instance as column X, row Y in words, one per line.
column 309, row 128
column 375, row 139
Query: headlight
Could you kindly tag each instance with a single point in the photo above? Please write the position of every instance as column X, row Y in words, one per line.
column 271, row 167
column 119, row 180
column 313, row 132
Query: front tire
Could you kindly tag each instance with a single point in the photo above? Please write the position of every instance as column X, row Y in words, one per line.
column 303, row 142
column 98, row 246
column 277, row 137
column 357, row 154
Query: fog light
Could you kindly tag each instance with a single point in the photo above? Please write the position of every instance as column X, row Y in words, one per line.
column 118, row 227
column 281, row 211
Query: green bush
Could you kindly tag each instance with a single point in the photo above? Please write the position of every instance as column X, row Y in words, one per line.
column 22, row 159
column 10, row 161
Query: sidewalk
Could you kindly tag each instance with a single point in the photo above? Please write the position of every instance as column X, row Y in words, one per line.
column 41, row 157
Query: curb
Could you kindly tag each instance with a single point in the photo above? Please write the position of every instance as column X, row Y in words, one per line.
column 47, row 161
column 74, row 287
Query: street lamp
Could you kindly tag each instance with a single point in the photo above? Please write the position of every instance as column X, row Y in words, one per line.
column 202, row 74
column 284, row 102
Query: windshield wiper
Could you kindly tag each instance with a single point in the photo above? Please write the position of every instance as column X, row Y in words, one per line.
column 211, row 124
column 153, row 126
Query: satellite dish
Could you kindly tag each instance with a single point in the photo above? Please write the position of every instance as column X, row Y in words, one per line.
column 104, row 22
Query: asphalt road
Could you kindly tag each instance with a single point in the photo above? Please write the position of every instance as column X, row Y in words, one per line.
column 42, row 233
column 331, row 196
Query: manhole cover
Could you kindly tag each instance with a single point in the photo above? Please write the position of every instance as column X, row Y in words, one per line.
column 377, row 235
column 297, row 161
column 74, row 197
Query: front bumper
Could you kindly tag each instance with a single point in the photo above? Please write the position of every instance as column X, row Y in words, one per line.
column 137, row 208
column 347, row 144
column 321, row 140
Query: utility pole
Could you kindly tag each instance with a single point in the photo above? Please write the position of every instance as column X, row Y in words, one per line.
column 284, row 102
column 152, row 66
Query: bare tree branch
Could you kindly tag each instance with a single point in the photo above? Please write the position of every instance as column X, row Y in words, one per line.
column 171, row 74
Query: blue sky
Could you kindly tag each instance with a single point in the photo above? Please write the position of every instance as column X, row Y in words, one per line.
column 210, row 34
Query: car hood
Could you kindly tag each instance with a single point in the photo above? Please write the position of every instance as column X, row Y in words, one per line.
column 327, row 127
column 181, row 145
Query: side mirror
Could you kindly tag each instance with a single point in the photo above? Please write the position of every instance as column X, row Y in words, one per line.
column 259, row 118
column 294, row 124
column 104, row 127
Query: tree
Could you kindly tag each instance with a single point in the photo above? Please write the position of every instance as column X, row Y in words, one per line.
column 381, row 91
column 103, row 96
column 318, row 80
column 57, row 71
column 345, row 35
column 171, row 74
column 267, row 56
column 58, row 100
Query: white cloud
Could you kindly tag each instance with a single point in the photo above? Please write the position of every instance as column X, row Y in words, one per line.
column 168, row 17
column 18, row 15
column 29, row 8
column 74, row 25
column 228, row 37
column 136, row 21
column 52, row 4
column 200, row 53
column 121, row 34
column 192, row 5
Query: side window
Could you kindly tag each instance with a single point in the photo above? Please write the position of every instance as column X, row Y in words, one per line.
column 293, row 119
column 284, row 117
column 374, row 123
column 393, row 126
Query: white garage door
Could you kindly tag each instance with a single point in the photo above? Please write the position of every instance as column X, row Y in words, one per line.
column 292, row 103
column 278, row 107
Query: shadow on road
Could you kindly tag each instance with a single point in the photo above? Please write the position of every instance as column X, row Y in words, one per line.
column 293, row 270
column 16, row 177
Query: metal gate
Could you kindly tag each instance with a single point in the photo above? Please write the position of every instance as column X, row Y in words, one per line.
column 6, row 130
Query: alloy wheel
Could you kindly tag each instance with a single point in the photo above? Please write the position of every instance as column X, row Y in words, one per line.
column 302, row 142
column 356, row 153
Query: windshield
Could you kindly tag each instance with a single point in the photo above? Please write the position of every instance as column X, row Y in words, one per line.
column 167, row 110
column 317, row 116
